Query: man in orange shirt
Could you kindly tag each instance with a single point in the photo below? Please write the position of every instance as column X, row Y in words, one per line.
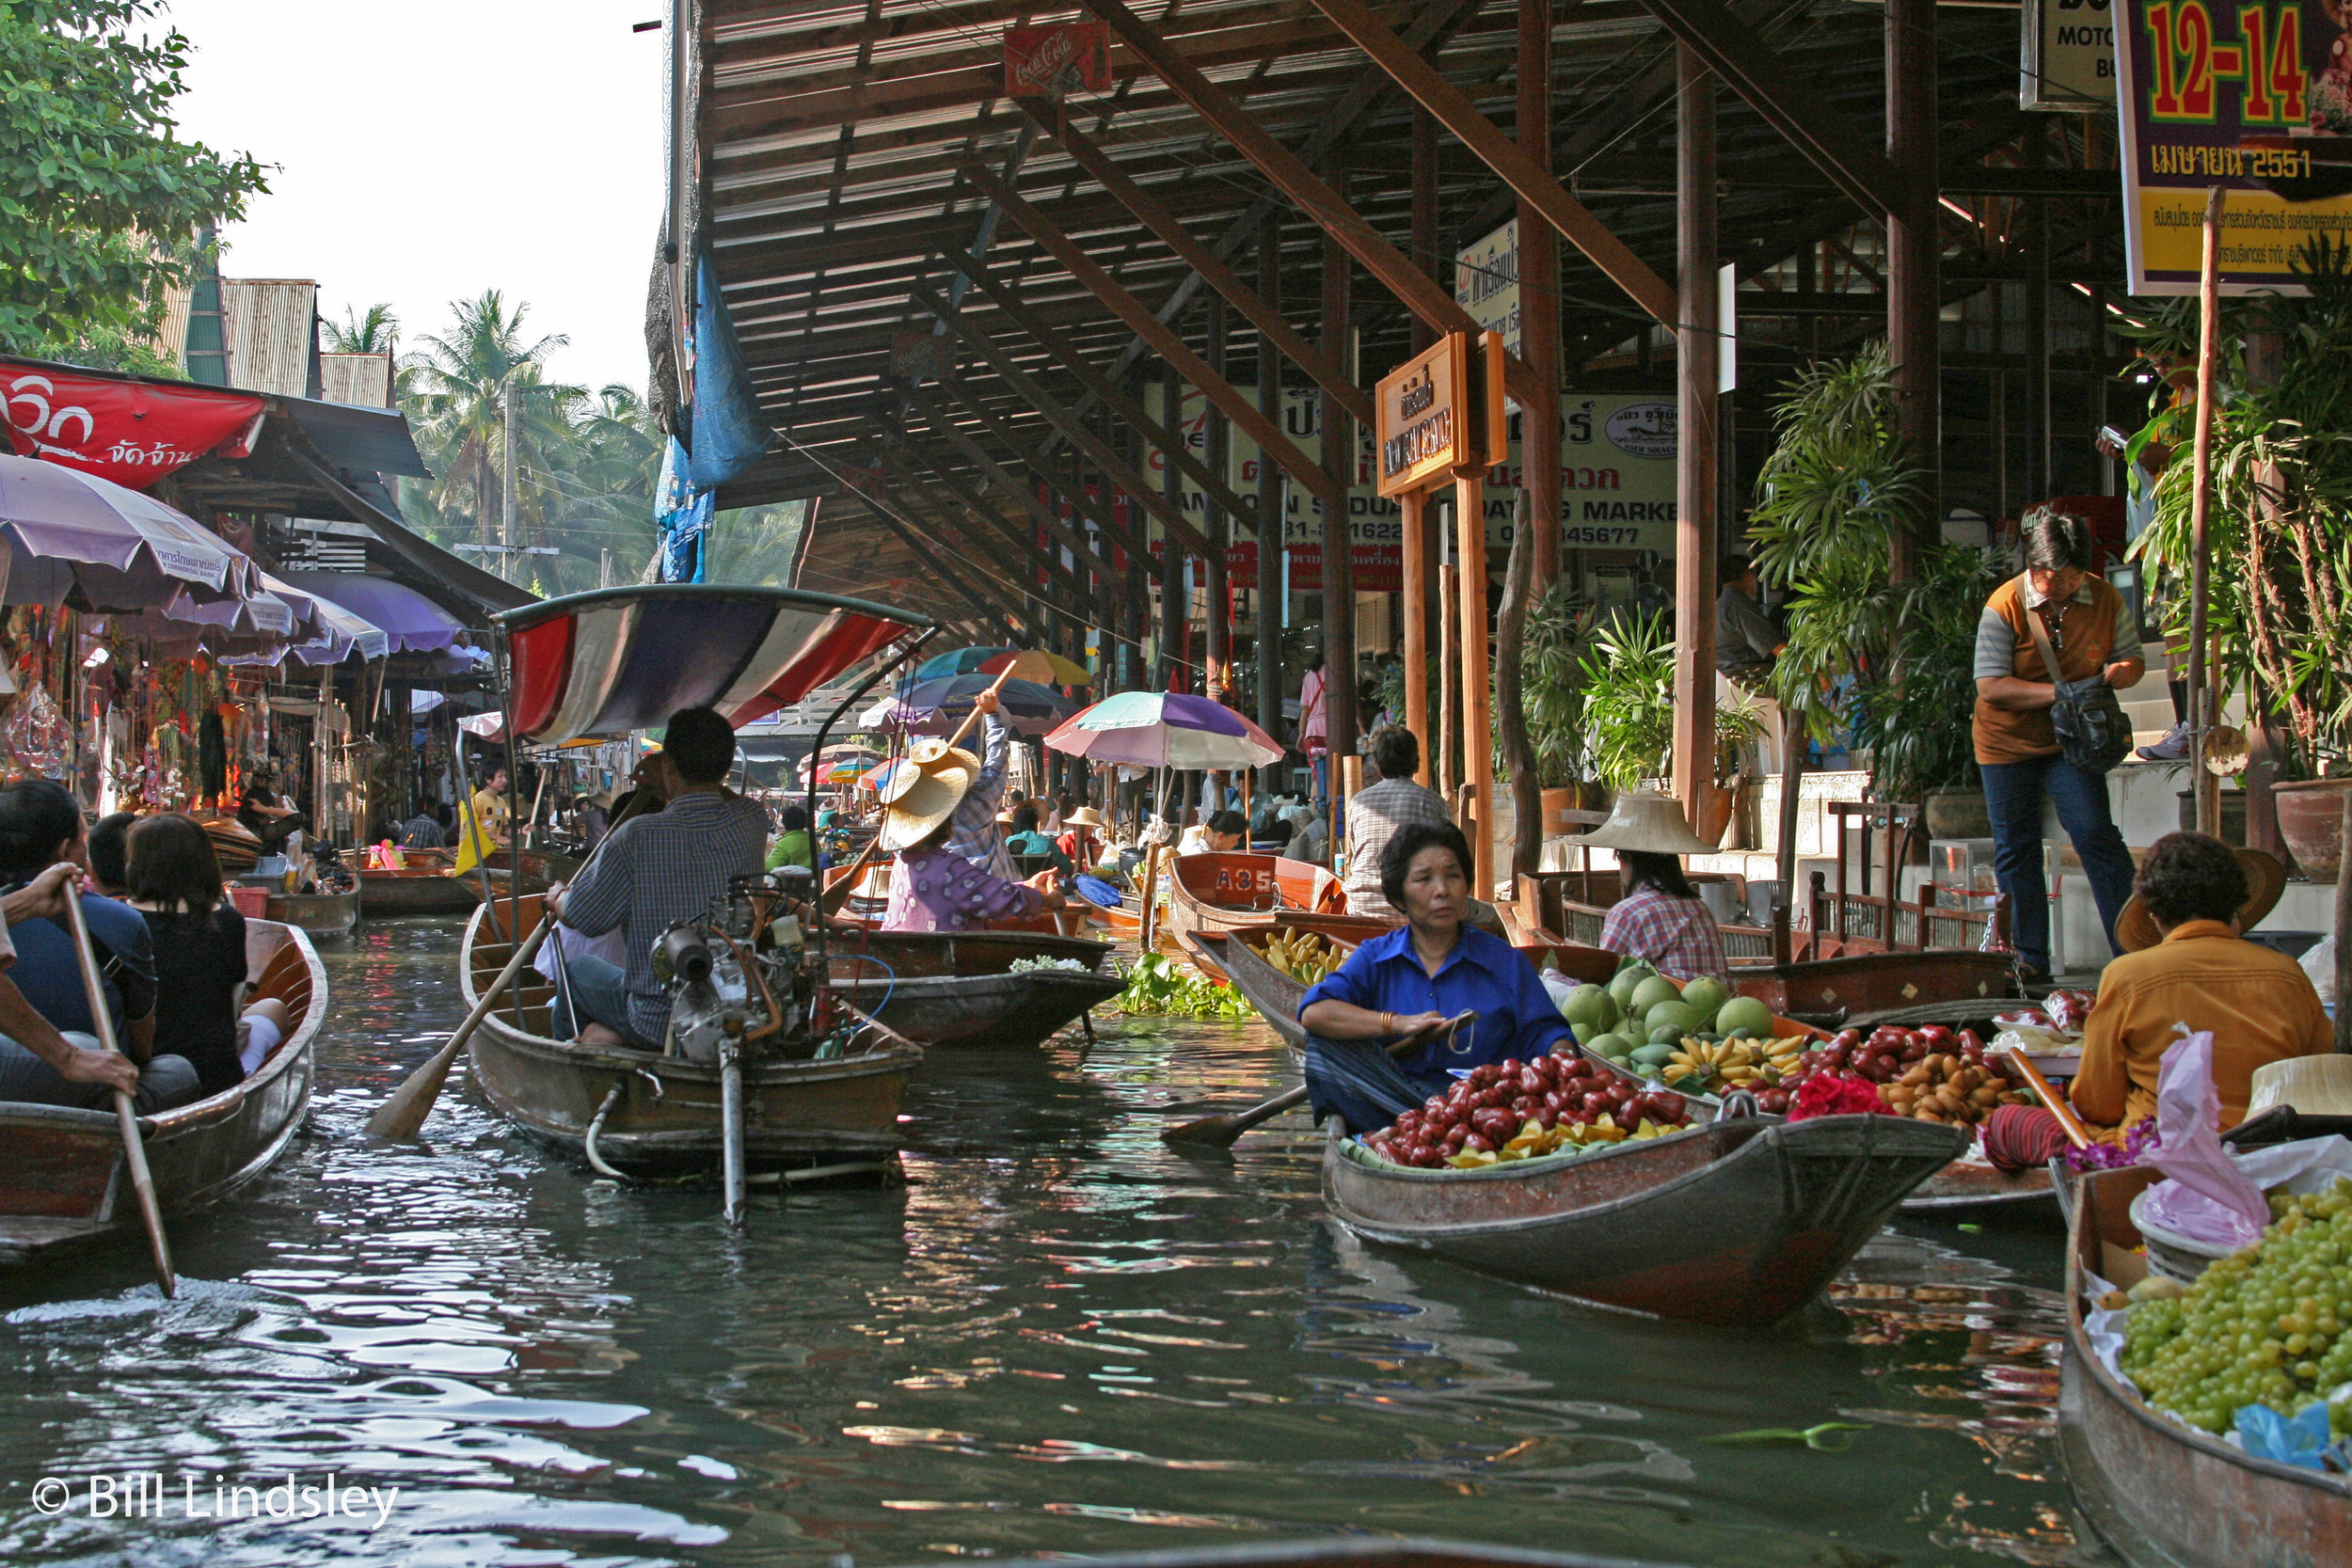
column 2258, row 1004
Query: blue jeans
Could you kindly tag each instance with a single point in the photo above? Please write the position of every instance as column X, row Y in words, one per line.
column 2014, row 793
column 598, row 990
column 164, row 1081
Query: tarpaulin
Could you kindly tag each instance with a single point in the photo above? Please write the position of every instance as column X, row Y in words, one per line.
column 130, row 432
column 728, row 433
column 681, row 513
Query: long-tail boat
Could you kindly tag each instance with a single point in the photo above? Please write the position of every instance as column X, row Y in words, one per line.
column 2162, row 1494
column 1217, row 890
column 61, row 1178
column 317, row 915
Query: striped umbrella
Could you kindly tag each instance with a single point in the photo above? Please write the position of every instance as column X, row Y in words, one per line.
column 620, row 660
column 1164, row 729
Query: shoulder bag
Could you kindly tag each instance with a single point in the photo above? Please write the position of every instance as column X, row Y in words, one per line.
column 2092, row 733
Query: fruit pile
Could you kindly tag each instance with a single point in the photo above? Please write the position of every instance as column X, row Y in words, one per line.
column 1304, row 955
column 1930, row 1075
column 2261, row 1326
column 2062, row 1012
column 1642, row 1007
column 1713, row 1067
column 1518, row 1110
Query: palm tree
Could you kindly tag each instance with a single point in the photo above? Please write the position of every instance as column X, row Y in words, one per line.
column 373, row 333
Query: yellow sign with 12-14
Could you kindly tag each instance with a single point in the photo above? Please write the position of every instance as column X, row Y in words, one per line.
column 2255, row 98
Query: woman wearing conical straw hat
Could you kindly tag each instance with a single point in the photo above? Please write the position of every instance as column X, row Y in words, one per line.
column 1657, row 916
column 931, row 887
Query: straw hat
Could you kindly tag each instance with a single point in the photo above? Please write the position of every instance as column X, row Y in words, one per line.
column 2314, row 1085
column 2266, row 879
column 1648, row 823
column 924, row 794
column 1083, row 817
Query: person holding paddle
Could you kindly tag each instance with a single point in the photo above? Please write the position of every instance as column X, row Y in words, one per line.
column 1413, row 979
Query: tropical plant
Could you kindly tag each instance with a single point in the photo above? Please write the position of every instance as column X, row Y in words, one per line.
column 1155, row 986
column 2279, row 517
column 96, row 186
column 1627, row 674
column 1835, row 496
column 373, row 333
column 1552, row 684
column 1917, row 723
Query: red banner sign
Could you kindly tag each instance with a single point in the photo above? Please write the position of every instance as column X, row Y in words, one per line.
column 1379, row 567
column 130, row 432
column 1047, row 62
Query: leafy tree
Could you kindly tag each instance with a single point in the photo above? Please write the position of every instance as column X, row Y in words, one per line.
column 373, row 333
column 93, row 173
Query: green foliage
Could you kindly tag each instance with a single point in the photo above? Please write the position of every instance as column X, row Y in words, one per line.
column 2279, row 518
column 373, row 333
column 1834, row 498
column 1552, row 684
column 1156, row 985
column 1917, row 723
column 95, row 186
column 1627, row 675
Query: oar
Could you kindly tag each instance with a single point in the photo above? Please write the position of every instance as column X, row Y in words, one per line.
column 1222, row 1131
column 2071, row 1124
column 126, row 1117
column 405, row 1111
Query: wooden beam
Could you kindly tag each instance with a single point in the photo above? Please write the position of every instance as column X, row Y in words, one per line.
column 1697, row 345
column 1539, row 325
column 1170, row 342
column 1045, row 516
column 1204, row 261
column 1066, row 583
column 1914, row 256
column 1006, row 298
column 1394, row 271
column 990, row 607
column 1733, row 49
column 1525, row 175
column 1073, row 429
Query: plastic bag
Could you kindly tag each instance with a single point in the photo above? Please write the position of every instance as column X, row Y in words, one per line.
column 2300, row 1439
column 2319, row 963
column 2205, row 1198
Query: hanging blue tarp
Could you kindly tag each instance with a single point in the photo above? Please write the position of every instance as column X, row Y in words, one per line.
column 728, row 433
column 681, row 516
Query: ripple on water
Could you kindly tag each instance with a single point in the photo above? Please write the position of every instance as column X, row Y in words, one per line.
column 1060, row 1336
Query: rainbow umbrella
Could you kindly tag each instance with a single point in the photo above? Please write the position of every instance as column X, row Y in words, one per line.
column 1164, row 729
column 937, row 708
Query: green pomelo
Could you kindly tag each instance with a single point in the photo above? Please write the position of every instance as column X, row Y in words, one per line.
column 1680, row 1016
column 1706, row 994
column 1745, row 1015
column 1591, row 1006
column 1621, row 987
column 1652, row 991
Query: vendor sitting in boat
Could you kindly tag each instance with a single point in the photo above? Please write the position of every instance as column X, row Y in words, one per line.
column 2183, row 963
column 1432, row 968
column 931, row 887
column 1223, row 831
column 653, row 872
column 1657, row 916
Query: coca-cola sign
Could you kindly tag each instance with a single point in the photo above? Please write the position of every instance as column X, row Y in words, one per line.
column 130, row 432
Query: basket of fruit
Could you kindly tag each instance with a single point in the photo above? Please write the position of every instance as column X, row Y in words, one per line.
column 1697, row 1036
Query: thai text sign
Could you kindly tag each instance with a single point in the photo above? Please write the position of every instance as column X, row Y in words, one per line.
column 2069, row 56
column 1438, row 413
column 126, row 431
column 1486, row 282
column 1047, row 62
column 2239, row 96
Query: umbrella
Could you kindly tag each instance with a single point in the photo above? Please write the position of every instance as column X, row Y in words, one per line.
column 124, row 549
column 410, row 621
column 848, row 771
column 1164, row 729
column 1035, row 664
column 935, row 708
column 881, row 776
column 961, row 662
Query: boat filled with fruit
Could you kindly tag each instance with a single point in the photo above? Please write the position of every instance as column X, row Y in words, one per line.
column 1563, row 1173
column 1274, row 964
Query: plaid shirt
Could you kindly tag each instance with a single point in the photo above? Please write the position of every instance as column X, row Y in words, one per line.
column 657, row 870
column 974, row 835
column 1675, row 934
column 1374, row 816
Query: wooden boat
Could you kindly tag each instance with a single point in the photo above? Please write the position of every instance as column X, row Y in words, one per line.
column 1347, row 1551
column 1737, row 1222
column 317, row 915
column 2164, row 1494
column 1854, row 983
column 958, row 989
column 416, row 890
column 643, row 1110
column 61, row 1178
column 1217, row 890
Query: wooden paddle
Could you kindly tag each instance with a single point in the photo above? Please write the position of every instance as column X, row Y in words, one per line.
column 126, row 1115
column 2071, row 1124
column 405, row 1109
column 1222, row 1131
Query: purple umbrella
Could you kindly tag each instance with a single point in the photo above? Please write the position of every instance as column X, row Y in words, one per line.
column 410, row 621
column 1164, row 729
column 937, row 708
column 125, row 550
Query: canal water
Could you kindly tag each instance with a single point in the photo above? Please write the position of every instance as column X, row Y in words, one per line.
column 1058, row 1338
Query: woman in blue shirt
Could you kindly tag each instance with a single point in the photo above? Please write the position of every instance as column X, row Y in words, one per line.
column 1431, row 969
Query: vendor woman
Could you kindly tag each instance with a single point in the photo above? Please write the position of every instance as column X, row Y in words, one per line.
column 1657, row 916
column 1432, row 969
column 931, row 887
column 2188, row 965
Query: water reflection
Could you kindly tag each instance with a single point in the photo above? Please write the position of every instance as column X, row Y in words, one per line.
column 1056, row 1337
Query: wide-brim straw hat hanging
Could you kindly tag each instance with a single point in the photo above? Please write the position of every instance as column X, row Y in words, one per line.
column 1647, row 823
column 2315, row 1085
column 2266, row 880
column 1083, row 817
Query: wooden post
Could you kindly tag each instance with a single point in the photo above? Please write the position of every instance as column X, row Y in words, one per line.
column 1417, row 594
column 1339, row 461
column 1217, row 656
column 1539, row 305
column 1478, row 758
column 1272, row 543
column 1448, row 764
column 1698, row 351
column 1175, row 598
column 2201, row 704
column 1527, row 838
column 1425, row 240
column 1914, row 247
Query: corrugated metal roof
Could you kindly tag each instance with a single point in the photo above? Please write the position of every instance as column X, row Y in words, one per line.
column 272, row 333
column 365, row 379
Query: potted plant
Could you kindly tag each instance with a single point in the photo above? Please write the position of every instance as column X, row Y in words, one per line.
column 1917, row 720
column 1627, row 671
column 1552, row 686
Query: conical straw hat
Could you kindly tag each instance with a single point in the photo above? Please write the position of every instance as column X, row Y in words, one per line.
column 931, row 797
column 2266, row 879
column 2315, row 1085
column 1648, row 823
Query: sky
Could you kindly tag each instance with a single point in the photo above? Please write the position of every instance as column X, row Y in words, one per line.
column 428, row 149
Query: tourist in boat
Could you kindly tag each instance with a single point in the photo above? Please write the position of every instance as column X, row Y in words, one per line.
column 267, row 815
column 426, row 830
column 1657, row 916
column 2185, row 963
column 1431, row 968
column 653, row 872
column 41, row 829
column 1081, row 842
column 2092, row 640
column 933, row 888
column 492, row 808
column 1376, row 811
column 1224, row 831
column 793, row 845
column 175, row 883
column 110, row 853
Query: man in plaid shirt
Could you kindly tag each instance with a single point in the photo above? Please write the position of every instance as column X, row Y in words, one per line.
column 1377, row 811
column 1675, row 934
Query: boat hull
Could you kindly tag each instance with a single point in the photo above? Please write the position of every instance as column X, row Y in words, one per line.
column 958, row 989
column 1736, row 1224
column 2162, row 1495
column 62, row 1182
column 665, row 1117
column 1964, row 1188
column 318, row 914
column 416, row 891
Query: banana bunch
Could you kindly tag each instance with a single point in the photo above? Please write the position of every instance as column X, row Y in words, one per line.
column 1304, row 955
column 1735, row 1064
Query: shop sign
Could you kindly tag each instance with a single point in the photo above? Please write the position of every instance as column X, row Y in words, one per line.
column 1438, row 413
column 1048, row 62
column 130, row 432
column 2069, row 56
column 1616, row 473
column 2256, row 98
column 1486, row 282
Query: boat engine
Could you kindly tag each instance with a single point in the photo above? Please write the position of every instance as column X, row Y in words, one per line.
column 736, row 971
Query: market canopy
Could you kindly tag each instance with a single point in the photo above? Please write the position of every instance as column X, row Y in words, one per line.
column 410, row 621
column 65, row 530
column 618, row 659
